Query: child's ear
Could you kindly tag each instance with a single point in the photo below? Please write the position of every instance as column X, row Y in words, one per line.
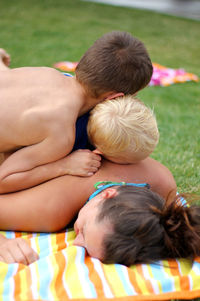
column 98, row 152
column 113, row 95
column 109, row 193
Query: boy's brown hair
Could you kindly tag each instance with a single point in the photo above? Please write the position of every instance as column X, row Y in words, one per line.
column 116, row 62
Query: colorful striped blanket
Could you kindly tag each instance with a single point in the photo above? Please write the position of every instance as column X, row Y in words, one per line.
column 65, row 272
column 162, row 76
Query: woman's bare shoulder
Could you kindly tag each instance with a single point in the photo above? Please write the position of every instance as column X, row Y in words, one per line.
column 149, row 171
column 163, row 181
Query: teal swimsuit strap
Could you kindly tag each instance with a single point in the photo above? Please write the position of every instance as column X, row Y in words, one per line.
column 67, row 74
column 101, row 185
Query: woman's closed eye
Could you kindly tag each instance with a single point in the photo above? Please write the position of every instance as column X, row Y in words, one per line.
column 79, row 240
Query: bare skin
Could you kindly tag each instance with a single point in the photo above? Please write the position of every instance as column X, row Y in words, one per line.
column 16, row 250
column 50, row 206
column 39, row 108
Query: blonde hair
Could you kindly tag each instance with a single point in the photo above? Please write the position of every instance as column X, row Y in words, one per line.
column 123, row 127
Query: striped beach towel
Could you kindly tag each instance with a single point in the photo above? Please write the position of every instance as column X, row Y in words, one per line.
column 162, row 76
column 65, row 272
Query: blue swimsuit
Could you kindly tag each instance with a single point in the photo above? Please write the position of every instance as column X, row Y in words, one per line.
column 100, row 186
column 81, row 138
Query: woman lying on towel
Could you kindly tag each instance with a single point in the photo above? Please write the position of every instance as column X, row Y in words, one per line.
column 123, row 223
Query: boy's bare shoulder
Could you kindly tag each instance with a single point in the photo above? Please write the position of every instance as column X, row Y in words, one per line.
column 43, row 70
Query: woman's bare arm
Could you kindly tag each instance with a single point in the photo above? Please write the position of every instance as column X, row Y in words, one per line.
column 44, row 208
column 16, row 250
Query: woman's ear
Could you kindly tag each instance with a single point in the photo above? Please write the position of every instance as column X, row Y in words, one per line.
column 109, row 193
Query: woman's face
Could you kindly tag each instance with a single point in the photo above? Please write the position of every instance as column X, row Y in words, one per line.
column 90, row 233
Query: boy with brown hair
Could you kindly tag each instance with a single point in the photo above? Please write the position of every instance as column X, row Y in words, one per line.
column 40, row 106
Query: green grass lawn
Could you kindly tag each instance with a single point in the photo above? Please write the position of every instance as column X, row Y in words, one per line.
column 39, row 33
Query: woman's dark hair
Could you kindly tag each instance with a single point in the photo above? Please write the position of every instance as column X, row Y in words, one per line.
column 146, row 228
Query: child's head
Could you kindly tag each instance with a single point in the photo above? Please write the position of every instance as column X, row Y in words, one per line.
column 123, row 129
column 116, row 62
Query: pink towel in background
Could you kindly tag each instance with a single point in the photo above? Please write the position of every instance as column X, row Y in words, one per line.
column 162, row 76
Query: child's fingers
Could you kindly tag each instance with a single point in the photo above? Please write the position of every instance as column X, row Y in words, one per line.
column 93, row 169
column 96, row 156
column 95, row 163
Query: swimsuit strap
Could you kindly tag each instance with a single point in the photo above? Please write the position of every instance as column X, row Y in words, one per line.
column 67, row 74
column 101, row 185
column 110, row 183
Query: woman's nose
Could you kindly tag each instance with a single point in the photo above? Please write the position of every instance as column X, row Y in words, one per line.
column 78, row 241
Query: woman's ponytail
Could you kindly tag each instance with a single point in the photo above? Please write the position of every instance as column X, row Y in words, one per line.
column 146, row 228
column 181, row 225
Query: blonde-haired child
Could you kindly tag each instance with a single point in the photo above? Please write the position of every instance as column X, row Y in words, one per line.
column 124, row 130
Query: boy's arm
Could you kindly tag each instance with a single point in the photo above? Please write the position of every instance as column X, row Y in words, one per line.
column 80, row 163
column 30, row 157
column 16, row 250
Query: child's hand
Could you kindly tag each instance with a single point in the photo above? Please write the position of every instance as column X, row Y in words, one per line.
column 82, row 162
column 17, row 250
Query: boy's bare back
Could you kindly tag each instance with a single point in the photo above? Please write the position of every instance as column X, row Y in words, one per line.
column 30, row 98
column 39, row 109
